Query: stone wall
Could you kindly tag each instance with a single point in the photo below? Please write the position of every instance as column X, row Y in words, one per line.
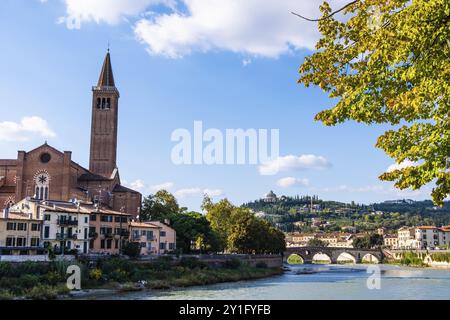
column 35, row 258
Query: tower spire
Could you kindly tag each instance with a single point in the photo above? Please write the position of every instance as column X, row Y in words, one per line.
column 105, row 105
column 106, row 78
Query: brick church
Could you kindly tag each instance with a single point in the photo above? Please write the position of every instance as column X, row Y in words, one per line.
column 49, row 174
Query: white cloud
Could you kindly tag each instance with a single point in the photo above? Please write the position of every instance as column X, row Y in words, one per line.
column 107, row 11
column 188, row 192
column 162, row 186
column 213, row 192
column 246, row 62
column 291, row 181
column 291, row 162
column 402, row 165
column 27, row 128
column 253, row 27
column 193, row 192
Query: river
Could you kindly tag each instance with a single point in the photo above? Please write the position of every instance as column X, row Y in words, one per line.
column 313, row 282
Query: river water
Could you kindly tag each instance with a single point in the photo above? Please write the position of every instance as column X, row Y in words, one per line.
column 336, row 282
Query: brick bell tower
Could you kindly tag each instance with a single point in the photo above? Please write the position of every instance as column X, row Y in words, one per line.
column 105, row 107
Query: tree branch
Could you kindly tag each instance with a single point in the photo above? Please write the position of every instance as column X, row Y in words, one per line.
column 329, row 16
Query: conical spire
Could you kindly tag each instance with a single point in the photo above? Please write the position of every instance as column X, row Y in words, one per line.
column 106, row 76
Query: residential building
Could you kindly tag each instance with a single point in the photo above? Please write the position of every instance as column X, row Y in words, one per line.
column 65, row 228
column 337, row 240
column 108, row 230
column 20, row 233
column 406, row 238
column 390, row 241
column 431, row 237
column 167, row 237
column 147, row 235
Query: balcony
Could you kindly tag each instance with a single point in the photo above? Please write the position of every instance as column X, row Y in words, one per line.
column 66, row 222
column 61, row 236
column 109, row 235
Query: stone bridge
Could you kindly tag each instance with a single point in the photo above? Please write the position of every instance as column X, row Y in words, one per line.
column 308, row 253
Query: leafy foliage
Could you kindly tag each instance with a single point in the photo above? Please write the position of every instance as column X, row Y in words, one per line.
column 389, row 62
column 240, row 231
column 193, row 230
column 132, row 249
column 369, row 241
column 317, row 243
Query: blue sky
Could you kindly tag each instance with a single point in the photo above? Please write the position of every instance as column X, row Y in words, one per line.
column 174, row 64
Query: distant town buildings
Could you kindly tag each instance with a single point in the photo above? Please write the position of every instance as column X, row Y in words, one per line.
column 419, row 238
column 335, row 240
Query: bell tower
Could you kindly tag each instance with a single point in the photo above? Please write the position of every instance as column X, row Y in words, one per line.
column 105, row 107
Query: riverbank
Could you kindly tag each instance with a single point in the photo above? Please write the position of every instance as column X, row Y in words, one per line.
column 47, row 281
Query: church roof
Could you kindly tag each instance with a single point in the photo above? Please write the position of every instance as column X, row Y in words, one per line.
column 106, row 76
column 120, row 188
column 89, row 176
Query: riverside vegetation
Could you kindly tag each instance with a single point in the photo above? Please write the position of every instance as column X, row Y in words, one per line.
column 33, row 280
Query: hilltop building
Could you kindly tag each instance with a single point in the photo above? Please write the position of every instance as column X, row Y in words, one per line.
column 270, row 197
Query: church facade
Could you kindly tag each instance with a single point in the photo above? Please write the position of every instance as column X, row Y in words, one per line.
column 46, row 173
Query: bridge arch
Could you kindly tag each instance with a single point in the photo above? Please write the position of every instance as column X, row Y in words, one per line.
column 370, row 258
column 346, row 257
column 294, row 259
column 321, row 258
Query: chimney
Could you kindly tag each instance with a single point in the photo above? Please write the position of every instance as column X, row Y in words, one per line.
column 6, row 213
column 167, row 221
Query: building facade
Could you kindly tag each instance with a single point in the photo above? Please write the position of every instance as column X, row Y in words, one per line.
column 147, row 235
column 167, row 237
column 431, row 237
column 406, row 238
column 390, row 241
column 46, row 173
column 109, row 230
column 65, row 230
column 20, row 233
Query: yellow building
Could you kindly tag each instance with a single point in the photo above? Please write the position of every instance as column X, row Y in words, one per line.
column 167, row 237
column 20, row 233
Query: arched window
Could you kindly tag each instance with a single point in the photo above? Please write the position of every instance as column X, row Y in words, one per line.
column 42, row 186
column 99, row 103
column 108, row 103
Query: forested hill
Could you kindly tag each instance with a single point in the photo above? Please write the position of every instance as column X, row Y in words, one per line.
column 305, row 213
column 284, row 204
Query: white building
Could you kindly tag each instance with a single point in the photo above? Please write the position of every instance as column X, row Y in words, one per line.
column 430, row 237
column 406, row 238
column 65, row 228
column 270, row 197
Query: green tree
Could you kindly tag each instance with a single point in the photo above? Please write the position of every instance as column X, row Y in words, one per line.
column 369, row 241
column 193, row 227
column 159, row 206
column 317, row 243
column 240, row 231
column 389, row 62
column 132, row 249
